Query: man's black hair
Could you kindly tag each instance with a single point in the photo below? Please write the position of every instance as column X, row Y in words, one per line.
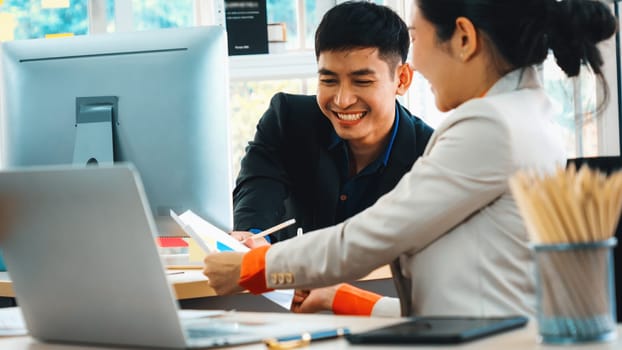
column 360, row 24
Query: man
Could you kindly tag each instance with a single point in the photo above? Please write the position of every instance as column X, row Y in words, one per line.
column 323, row 159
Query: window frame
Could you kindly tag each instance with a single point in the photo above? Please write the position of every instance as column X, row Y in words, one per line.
column 608, row 123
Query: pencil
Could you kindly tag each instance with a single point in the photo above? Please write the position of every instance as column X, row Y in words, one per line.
column 274, row 228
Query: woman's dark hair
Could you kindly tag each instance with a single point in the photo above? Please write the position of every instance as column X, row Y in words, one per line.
column 523, row 31
column 359, row 24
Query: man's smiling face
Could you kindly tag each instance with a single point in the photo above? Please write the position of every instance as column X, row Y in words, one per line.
column 356, row 92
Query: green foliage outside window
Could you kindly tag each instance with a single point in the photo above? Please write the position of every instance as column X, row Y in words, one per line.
column 153, row 14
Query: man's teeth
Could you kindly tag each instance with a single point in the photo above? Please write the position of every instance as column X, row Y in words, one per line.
column 354, row 116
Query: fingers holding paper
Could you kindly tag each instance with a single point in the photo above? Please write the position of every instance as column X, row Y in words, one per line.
column 223, row 271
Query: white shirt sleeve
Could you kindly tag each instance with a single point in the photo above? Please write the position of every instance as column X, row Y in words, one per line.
column 386, row 307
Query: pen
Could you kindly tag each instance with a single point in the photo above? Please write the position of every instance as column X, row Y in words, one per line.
column 304, row 339
column 275, row 228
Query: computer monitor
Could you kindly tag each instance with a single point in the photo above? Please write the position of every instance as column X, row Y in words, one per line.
column 157, row 99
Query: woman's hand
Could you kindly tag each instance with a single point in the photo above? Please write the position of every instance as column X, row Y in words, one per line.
column 223, row 271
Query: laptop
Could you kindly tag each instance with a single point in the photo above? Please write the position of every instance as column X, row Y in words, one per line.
column 80, row 249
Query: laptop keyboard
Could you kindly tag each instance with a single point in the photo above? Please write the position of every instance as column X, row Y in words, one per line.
column 211, row 328
column 197, row 333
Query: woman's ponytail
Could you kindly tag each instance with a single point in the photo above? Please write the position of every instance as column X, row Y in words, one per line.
column 575, row 27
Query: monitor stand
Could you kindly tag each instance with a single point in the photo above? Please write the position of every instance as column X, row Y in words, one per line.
column 94, row 130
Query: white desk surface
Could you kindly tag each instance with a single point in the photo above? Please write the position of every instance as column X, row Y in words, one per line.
column 522, row 339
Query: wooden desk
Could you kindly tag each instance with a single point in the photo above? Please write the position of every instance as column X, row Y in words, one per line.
column 522, row 339
column 190, row 284
column 6, row 289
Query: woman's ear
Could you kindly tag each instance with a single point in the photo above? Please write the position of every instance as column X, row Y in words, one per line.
column 465, row 39
column 405, row 78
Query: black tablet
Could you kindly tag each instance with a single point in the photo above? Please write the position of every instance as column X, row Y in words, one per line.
column 438, row 330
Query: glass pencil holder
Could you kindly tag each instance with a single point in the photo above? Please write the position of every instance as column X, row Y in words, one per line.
column 575, row 292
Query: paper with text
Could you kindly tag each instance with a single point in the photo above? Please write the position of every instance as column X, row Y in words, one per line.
column 212, row 239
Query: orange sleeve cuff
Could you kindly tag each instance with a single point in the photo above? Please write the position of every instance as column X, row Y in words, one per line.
column 350, row 300
column 253, row 271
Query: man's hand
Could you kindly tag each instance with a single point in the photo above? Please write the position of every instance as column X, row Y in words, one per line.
column 299, row 297
column 223, row 271
column 310, row 301
column 247, row 239
column 241, row 235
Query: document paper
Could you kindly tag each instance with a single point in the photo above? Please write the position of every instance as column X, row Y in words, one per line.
column 12, row 322
column 212, row 239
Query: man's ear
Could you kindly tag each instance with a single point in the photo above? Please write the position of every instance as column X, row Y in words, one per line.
column 405, row 78
column 465, row 39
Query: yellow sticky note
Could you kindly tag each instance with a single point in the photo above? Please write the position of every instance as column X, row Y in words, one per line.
column 57, row 35
column 7, row 26
column 54, row 4
column 195, row 253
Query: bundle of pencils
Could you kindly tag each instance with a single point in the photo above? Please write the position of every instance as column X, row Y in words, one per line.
column 571, row 216
column 569, row 206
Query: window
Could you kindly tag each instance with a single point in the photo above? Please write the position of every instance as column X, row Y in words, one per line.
column 279, row 11
column 255, row 96
column 587, row 134
column 24, row 19
column 576, row 119
column 150, row 14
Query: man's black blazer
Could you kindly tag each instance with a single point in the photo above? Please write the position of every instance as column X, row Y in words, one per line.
column 288, row 172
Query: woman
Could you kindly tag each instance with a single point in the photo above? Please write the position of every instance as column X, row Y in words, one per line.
column 450, row 227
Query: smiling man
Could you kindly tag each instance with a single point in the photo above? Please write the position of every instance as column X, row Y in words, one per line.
column 322, row 159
